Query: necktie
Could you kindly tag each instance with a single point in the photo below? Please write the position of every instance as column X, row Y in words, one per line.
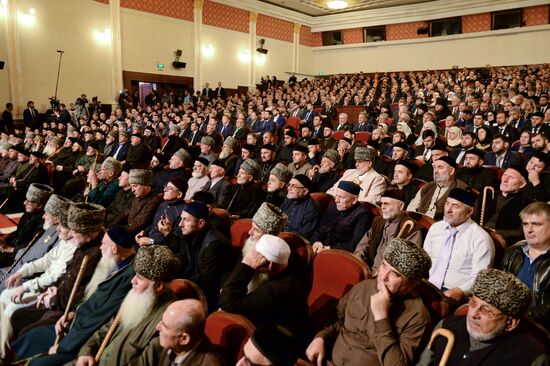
column 443, row 259
column 499, row 161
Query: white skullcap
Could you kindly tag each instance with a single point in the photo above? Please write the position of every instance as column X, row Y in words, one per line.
column 273, row 248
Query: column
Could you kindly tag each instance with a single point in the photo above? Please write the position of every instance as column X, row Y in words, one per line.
column 116, row 50
column 197, row 76
column 13, row 63
column 296, row 47
column 252, row 64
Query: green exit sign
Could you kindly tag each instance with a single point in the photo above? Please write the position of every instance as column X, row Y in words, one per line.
column 160, row 66
column 321, row 73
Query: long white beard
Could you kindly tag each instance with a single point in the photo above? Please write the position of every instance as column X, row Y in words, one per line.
column 196, row 175
column 223, row 155
column 102, row 270
column 258, row 277
column 48, row 150
column 46, row 225
column 135, row 307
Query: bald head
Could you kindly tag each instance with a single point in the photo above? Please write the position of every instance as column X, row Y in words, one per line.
column 188, row 316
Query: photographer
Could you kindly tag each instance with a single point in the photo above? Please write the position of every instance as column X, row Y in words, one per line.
column 94, row 107
column 81, row 108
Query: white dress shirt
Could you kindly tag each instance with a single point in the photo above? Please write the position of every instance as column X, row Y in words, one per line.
column 473, row 251
column 372, row 185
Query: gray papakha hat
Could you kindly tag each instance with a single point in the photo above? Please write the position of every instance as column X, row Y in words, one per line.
column 408, row 258
column 156, row 263
column 251, row 167
column 503, row 290
column 281, row 172
column 270, row 218
column 140, row 176
column 364, row 153
column 39, row 193
column 113, row 165
column 56, row 140
column 58, row 206
column 207, row 140
column 85, row 217
column 332, row 155
column 183, row 155
column 231, row 142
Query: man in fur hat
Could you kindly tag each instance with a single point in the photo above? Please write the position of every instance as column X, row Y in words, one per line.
column 325, row 175
column 244, row 198
column 104, row 184
column 302, row 211
column 277, row 183
column 55, row 209
column 199, row 177
column 139, row 215
column 217, row 185
column 228, row 154
column 381, row 321
column 136, row 341
column 177, row 167
column 30, row 224
column 105, row 292
column 39, row 274
column 489, row 333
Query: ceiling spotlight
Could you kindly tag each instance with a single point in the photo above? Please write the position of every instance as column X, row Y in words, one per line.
column 337, row 4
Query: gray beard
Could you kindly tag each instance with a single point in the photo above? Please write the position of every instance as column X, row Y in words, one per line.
column 223, row 155
column 136, row 307
column 102, row 270
column 258, row 277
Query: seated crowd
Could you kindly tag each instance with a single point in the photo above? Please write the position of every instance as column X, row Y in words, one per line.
column 442, row 182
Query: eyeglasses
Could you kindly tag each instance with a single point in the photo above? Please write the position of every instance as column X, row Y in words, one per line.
column 293, row 186
column 484, row 310
column 168, row 188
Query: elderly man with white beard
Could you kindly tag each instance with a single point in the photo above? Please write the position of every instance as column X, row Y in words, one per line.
column 136, row 341
column 279, row 299
column 199, row 177
column 103, row 295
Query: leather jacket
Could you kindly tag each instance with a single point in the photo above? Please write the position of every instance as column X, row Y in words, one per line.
column 513, row 262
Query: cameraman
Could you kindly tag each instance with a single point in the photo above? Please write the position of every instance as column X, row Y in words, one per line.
column 81, row 109
column 94, row 107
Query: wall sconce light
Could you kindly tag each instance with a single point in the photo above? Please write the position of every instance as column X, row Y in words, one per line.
column 104, row 36
column 208, row 50
column 244, row 56
column 27, row 18
column 3, row 7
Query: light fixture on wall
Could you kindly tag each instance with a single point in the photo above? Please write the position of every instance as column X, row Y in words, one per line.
column 28, row 17
column 103, row 36
column 337, row 4
column 3, row 7
column 261, row 49
column 208, row 50
column 244, row 56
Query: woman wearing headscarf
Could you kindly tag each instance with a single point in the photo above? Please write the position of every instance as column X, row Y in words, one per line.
column 484, row 137
column 453, row 136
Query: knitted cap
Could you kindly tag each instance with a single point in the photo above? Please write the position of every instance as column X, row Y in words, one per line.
column 140, row 176
column 39, row 193
column 85, row 217
column 59, row 207
column 503, row 290
column 251, row 167
column 113, row 165
column 156, row 263
column 270, row 218
column 408, row 258
column 281, row 172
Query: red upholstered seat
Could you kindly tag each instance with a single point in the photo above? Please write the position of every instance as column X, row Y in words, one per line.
column 301, row 256
column 423, row 220
column 186, row 289
column 222, row 214
column 229, row 333
column 239, row 232
column 500, row 246
column 363, row 136
column 438, row 305
column 375, row 210
column 338, row 135
column 293, row 122
column 335, row 272
column 322, row 199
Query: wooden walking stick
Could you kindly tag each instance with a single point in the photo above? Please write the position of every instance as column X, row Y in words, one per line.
column 108, row 337
column 406, row 225
column 73, row 292
column 448, row 347
column 484, row 201
column 89, row 187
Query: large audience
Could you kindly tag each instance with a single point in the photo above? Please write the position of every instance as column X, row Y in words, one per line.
column 436, row 180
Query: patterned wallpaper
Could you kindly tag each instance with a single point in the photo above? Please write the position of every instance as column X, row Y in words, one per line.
column 227, row 17
column 270, row 27
column 476, row 23
column 404, row 31
column 536, row 15
column 180, row 9
column 354, row 35
column 310, row 39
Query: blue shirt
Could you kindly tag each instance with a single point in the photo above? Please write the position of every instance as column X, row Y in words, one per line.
column 527, row 272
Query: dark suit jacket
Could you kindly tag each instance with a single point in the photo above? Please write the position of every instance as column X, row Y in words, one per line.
column 511, row 132
column 219, row 190
column 308, row 116
column 226, row 130
column 510, row 158
column 204, row 354
column 29, row 119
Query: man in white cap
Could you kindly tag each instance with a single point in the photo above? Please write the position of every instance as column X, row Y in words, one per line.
column 279, row 299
